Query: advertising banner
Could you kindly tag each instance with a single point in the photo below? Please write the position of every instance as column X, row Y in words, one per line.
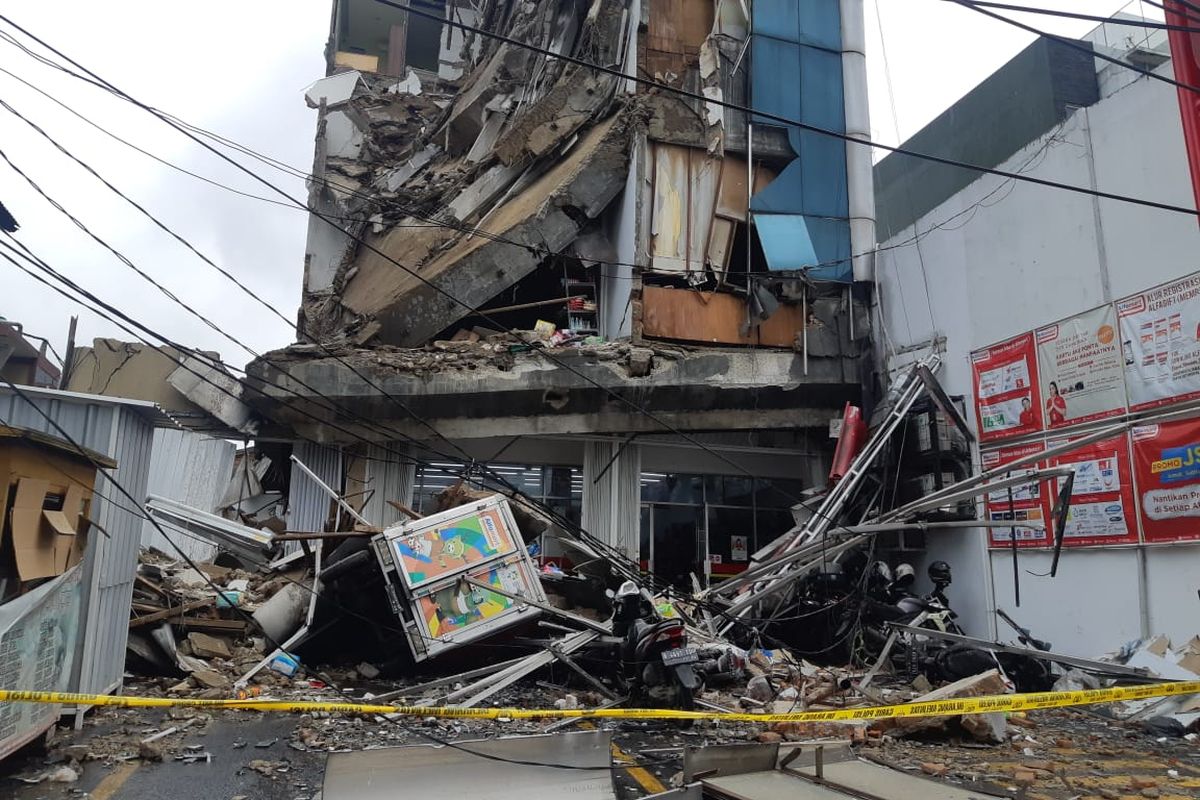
column 1103, row 510
column 461, row 606
column 38, row 633
column 432, row 552
column 1160, row 342
column 1029, row 503
column 1166, row 460
column 1007, row 399
column 1080, row 368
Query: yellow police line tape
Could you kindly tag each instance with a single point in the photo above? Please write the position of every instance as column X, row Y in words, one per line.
column 962, row 705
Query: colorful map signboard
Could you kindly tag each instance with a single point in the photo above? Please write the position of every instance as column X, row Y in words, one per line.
column 452, row 541
column 1027, row 503
column 460, row 606
column 1103, row 510
column 1080, row 368
column 1166, row 461
column 1007, row 398
column 1160, row 341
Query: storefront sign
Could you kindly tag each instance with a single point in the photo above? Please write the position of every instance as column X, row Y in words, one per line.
column 1080, row 368
column 1028, row 503
column 447, row 543
column 1166, row 459
column 1102, row 498
column 1007, row 399
column 1160, row 341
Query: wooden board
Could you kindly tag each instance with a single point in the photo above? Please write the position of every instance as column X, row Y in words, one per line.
column 712, row 318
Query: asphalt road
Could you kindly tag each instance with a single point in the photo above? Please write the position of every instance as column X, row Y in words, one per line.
column 232, row 744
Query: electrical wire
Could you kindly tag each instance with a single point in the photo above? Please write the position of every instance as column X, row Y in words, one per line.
column 520, row 499
column 1075, row 45
column 763, row 115
column 1144, row 23
column 485, row 316
column 514, row 491
column 274, row 644
column 719, row 611
column 544, row 353
column 292, row 170
column 1180, row 12
column 614, row 394
column 430, row 222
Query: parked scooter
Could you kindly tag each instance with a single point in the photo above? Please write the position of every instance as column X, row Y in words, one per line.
column 657, row 666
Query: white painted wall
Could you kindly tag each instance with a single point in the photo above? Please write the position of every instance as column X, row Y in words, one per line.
column 1000, row 258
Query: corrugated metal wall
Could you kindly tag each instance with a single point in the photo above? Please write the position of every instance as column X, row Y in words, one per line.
column 109, row 584
column 308, row 504
column 388, row 479
column 195, row 470
column 124, row 432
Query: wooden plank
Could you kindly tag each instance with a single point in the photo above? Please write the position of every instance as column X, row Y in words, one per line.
column 171, row 612
column 679, row 26
column 209, row 624
column 398, row 47
column 712, row 318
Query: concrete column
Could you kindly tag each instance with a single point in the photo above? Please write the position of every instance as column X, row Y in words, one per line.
column 612, row 494
column 859, row 176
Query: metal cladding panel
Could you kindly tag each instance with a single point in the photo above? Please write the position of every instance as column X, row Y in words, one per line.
column 612, row 502
column 795, row 242
column 796, row 72
column 308, row 504
column 89, row 424
column 813, row 22
column 192, row 469
column 125, row 434
column 108, row 586
column 388, row 478
column 429, row 771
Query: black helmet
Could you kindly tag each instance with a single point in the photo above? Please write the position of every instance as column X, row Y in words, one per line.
column 939, row 572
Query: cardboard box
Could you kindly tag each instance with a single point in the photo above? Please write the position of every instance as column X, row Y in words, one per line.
column 46, row 490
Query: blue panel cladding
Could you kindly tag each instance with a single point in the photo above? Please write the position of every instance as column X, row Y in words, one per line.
column 815, row 22
column 796, row 72
column 817, row 245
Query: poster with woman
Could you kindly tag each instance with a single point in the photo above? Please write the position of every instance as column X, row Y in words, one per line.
column 1080, row 368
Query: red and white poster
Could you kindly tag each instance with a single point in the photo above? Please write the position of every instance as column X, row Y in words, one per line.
column 1166, row 461
column 1160, row 343
column 1028, row 503
column 1007, row 400
column 1103, row 510
column 1080, row 368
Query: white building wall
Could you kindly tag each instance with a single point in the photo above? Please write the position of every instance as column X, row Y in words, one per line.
column 1000, row 258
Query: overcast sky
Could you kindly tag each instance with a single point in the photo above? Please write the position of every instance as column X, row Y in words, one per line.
column 239, row 68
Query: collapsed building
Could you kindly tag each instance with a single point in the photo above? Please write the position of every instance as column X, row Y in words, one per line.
column 669, row 265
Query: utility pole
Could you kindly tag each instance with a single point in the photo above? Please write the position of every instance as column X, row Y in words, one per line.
column 69, row 355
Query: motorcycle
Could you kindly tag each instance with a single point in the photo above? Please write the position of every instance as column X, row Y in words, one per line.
column 912, row 653
column 656, row 665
